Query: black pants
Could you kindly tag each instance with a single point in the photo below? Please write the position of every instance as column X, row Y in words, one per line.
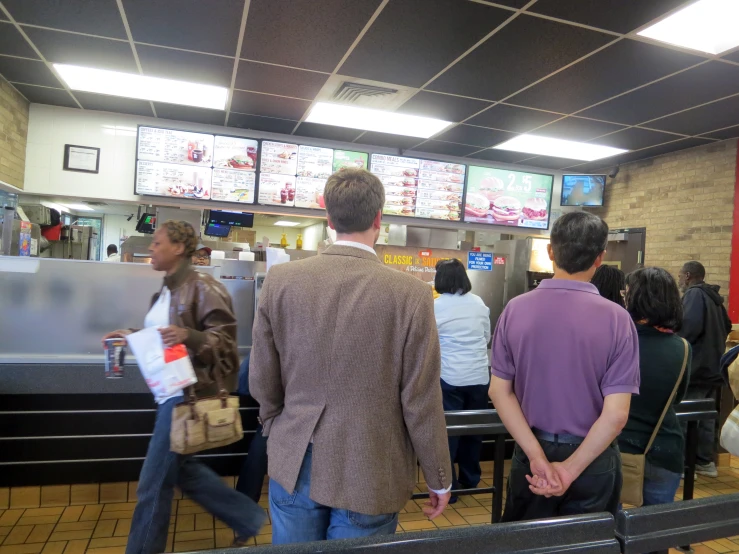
column 465, row 451
column 706, row 451
column 254, row 470
column 597, row 490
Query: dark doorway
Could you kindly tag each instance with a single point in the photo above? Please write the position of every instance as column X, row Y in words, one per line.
column 626, row 248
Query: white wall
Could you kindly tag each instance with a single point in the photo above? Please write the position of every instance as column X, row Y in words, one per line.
column 116, row 229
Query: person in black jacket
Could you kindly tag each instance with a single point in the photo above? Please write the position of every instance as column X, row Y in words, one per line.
column 705, row 326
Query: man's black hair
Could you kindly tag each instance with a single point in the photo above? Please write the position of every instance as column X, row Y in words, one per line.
column 577, row 239
column 610, row 282
column 696, row 270
column 112, row 249
column 451, row 277
column 652, row 296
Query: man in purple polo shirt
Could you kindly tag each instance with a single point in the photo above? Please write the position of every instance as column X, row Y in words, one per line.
column 565, row 364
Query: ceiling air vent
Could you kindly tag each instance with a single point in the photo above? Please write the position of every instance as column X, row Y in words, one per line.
column 362, row 94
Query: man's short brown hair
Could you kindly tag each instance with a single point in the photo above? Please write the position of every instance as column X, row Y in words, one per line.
column 353, row 197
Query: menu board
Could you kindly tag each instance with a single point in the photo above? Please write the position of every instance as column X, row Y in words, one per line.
column 279, row 158
column 347, row 158
column 177, row 147
column 420, row 188
column 235, row 153
column 232, row 185
column 177, row 181
column 276, row 190
column 505, row 197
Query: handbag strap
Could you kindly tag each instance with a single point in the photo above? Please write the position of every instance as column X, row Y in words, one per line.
column 672, row 397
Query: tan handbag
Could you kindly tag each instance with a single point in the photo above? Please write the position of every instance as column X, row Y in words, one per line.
column 634, row 465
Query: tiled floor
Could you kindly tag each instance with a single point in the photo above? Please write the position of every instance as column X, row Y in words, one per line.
column 95, row 519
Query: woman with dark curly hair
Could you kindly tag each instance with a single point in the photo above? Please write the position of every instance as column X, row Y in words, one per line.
column 609, row 281
column 195, row 310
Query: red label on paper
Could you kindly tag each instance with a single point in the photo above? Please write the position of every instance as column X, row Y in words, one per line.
column 498, row 260
column 425, row 254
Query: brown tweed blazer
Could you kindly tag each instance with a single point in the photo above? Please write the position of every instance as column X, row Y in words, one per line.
column 346, row 351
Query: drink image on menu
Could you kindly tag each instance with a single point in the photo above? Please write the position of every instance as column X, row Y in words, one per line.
column 235, row 153
column 504, row 197
column 277, row 190
column 177, row 147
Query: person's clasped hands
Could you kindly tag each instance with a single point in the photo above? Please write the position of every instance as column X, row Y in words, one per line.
column 549, row 479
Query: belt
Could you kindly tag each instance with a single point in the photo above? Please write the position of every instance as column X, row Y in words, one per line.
column 562, row 438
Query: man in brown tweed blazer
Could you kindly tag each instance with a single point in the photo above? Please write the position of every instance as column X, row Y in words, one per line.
column 346, row 367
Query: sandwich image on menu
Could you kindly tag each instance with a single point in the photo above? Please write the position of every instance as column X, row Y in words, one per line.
column 504, row 197
column 400, row 177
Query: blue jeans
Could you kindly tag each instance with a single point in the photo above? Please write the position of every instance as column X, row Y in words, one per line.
column 163, row 470
column 660, row 485
column 297, row 518
column 254, row 470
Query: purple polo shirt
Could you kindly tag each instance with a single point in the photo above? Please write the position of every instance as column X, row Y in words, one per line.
column 565, row 348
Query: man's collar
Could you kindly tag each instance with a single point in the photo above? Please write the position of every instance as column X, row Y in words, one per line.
column 353, row 244
column 567, row 284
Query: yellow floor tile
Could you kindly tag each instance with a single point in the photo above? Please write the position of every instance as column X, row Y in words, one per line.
column 170, row 543
column 110, row 541
column 189, row 546
column 91, row 512
column 54, row 547
column 108, row 550
column 224, row 538
column 203, row 521
column 71, row 514
column 4, row 498
column 104, row 528
column 454, row 518
column 185, row 523
column 76, row 526
column 132, row 491
column 476, row 520
column 71, row 536
column 10, row 517
column 415, row 516
column 84, row 494
column 25, row 497
column 263, row 539
column 718, row 547
column 55, row 495
column 193, row 535
column 38, row 520
column 4, row 532
column 40, row 533
column 76, row 547
column 418, row 525
column 442, row 522
column 22, row 548
column 18, row 535
column 123, row 528
column 113, row 492
column 265, row 530
column 119, row 507
column 465, row 512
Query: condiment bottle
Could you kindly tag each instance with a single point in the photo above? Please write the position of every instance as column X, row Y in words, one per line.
column 299, row 242
column 283, row 240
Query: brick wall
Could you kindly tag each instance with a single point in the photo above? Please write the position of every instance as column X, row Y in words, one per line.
column 686, row 202
column 13, row 134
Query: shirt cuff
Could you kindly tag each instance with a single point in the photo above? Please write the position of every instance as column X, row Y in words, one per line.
column 619, row 389
column 446, row 490
column 501, row 375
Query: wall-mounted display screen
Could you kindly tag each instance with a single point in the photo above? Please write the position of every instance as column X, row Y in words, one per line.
column 506, row 197
column 347, row 158
column 177, row 181
column 583, row 190
column 420, row 188
column 233, row 219
column 214, row 230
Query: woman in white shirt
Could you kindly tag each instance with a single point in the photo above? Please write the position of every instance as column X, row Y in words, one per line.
column 463, row 321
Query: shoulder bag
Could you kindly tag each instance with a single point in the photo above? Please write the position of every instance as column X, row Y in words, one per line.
column 634, row 465
column 730, row 429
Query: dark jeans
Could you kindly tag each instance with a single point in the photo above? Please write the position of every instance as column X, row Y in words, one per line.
column 254, row 470
column 706, row 451
column 465, row 451
column 162, row 470
column 596, row 490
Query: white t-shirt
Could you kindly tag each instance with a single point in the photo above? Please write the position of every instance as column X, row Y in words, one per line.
column 463, row 321
column 158, row 316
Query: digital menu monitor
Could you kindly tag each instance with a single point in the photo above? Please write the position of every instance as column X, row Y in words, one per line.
column 420, row 188
column 510, row 198
column 348, row 158
column 583, row 190
column 215, row 230
column 146, row 224
column 233, row 219
column 186, row 164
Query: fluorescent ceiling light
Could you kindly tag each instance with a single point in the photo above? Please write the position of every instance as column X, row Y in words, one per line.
column 375, row 120
column 129, row 85
column 707, row 25
column 53, row 206
column 283, row 223
column 80, row 207
column 546, row 146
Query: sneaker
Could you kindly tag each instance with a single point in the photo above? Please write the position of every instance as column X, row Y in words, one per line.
column 708, row 470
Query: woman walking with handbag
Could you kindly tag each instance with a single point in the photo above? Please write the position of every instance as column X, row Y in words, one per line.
column 652, row 443
column 195, row 310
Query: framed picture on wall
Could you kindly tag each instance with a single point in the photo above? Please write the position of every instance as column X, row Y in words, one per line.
column 81, row 158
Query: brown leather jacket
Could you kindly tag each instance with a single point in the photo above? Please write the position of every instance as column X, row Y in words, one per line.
column 203, row 306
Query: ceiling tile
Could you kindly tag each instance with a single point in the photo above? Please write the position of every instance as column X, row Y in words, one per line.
column 304, row 33
column 512, row 118
column 646, row 153
column 635, row 139
column 505, row 156
column 18, row 70
column 513, row 3
column 446, row 148
column 412, row 40
column 101, row 53
column 699, row 85
column 104, row 103
column 716, row 115
column 388, row 140
column 734, row 56
column 547, row 162
column 188, row 113
column 620, row 16
column 577, row 128
column 275, row 79
column 442, row 106
column 724, row 134
column 185, row 66
column 12, row 42
column 329, row 132
column 268, row 105
column 476, row 136
column 211, row 27
column 524, row 51
column 616, row 69
column 258, row 123
column 45, row 95
column 93, row 17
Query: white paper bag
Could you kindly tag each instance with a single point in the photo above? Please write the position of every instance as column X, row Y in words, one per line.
column 165, row 370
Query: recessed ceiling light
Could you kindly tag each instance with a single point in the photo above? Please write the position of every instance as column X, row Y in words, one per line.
column 129, row 85
column 707, row 25
column 283, row 223
column 559, row 148
column 79, row 207
column 375, row 120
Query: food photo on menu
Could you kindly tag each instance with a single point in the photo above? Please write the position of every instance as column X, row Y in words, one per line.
column 279, row 158
column 177, row 181
column 504, row 197
column 347, row 158
column 400, row 177
column 176, row 147
column 309, row 193
column 440, row 187
column 276, row 190
column 235, row 153
column 231, row 185
column 315, row 162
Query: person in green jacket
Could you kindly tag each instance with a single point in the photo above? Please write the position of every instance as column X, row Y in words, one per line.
column 653, row 301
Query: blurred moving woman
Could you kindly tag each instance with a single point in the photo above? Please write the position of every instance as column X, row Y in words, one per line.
column 195, row 310
column 653, row 300
column 610, row 282
column 463, row 321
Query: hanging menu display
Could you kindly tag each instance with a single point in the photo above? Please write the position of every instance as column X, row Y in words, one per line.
column 276, row 190
column 234, row 186
column 505, row 197
column 347, row 158
column 420, row 188
column 314, row 167
column 235, row 153
column 177, row 147
column 178, row 181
